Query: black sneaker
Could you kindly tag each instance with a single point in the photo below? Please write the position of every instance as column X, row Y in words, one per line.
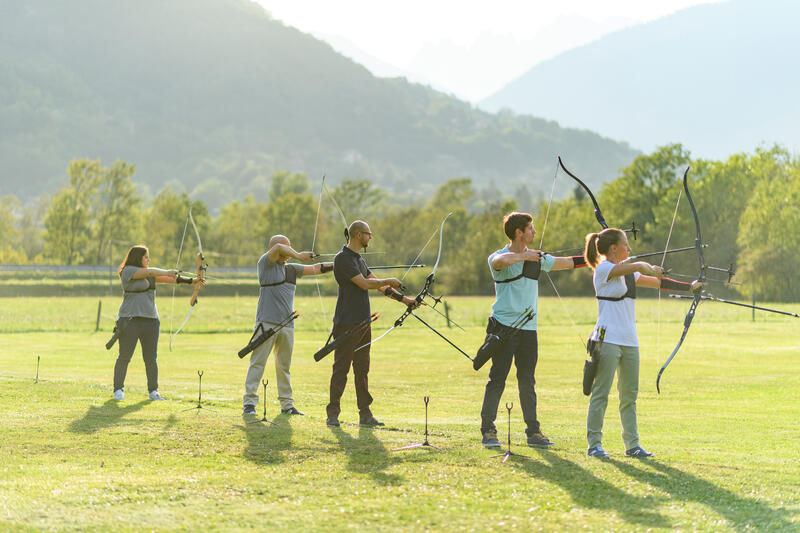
column 249, row 410
column 538, row 439
column 332, row 422
column 597, row 451
column 291, row 411
column 490, row 440
column 638, row 452
column 370, row 422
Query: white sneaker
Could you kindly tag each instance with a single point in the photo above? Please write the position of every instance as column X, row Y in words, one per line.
column 119, row 395
column 154, row 395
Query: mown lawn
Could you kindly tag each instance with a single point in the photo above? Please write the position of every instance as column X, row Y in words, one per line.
column 724, row 429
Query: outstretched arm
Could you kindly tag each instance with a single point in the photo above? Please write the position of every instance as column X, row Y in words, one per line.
column 317, row 269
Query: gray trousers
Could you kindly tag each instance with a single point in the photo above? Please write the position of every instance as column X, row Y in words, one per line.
column 283, row 342
column 625, row 360
column 138, row 330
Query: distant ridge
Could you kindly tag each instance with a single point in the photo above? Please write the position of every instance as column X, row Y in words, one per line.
column 719, row 78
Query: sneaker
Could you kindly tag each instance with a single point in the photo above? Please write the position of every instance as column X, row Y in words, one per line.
column 539, row 439
column 119, row 395
column 155, row 396
column 249, row 410
column 291, row 411
column 332, row 422
column 638, row 452
column 490, row 440
column 596, row 451
column 370, row 422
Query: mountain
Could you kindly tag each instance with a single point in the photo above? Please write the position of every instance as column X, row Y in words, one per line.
column 718, row 78
column 216, row 95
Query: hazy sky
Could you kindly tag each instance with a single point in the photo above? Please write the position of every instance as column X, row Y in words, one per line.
column 470, row 48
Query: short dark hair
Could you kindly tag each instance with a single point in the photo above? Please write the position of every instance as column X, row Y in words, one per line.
column 515, row 221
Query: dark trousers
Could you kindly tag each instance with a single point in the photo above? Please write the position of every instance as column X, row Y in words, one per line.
column 523, row 349
column 343, row 357
column 144, row 330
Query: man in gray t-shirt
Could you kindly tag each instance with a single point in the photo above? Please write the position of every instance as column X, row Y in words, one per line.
column 276, row 302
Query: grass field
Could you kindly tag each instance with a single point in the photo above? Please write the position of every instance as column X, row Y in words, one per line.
column 724, row 430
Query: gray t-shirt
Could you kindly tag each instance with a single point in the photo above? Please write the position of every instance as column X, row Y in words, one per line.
column 277, row 281
column 140, row 295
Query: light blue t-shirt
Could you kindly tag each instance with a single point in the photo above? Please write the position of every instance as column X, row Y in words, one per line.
column 512, row 298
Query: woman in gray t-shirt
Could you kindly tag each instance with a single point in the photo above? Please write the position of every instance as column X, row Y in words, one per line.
column 137, row 320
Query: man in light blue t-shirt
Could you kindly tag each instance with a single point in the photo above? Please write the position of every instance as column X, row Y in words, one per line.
column 515, row 270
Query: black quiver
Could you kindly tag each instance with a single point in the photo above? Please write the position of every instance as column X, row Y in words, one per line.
column 593, row 346
column 256, row 340
column 119, row 327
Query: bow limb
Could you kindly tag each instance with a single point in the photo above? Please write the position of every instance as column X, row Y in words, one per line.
column 701, row 277
column 426, row 289
column 597, row 213
column 379, row 338
column 686, row 323
column 202, row 266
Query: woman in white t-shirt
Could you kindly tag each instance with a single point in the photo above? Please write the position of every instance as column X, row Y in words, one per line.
column 615, row 283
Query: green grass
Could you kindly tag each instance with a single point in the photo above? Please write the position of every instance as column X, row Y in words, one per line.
column 724, row 429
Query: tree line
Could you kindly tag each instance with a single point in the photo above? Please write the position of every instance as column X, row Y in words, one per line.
column 748, row 205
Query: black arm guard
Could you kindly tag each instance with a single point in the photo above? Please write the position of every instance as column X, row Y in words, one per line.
column 393, row 294
column 325, row 267
column 184, row 280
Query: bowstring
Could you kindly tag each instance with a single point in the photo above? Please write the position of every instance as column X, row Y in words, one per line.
column 177, row 267
column 547, row 274
column 313, row 243
column 663, row 259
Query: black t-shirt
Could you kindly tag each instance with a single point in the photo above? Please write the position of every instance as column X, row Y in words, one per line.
column 352, row 305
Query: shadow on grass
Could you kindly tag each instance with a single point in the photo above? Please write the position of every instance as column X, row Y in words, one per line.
column 103, row 416
column 171, row 421
column 589, row 491
column 742, row 514
column 367, row 455
column 267, row 442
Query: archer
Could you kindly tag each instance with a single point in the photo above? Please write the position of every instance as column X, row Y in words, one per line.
column 355, row 280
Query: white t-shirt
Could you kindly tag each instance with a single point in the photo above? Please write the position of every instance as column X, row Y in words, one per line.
column 619, row 318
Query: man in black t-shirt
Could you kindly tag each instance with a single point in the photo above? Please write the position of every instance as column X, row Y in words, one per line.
column 352, row 307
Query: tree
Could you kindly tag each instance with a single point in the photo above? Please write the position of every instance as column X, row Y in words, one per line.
column 168, row 233
column 291, row 214
column 767, row 231
column 284, row 183
column 9, row 234
column 68, row 222
column 235, row 237
column 117, row 208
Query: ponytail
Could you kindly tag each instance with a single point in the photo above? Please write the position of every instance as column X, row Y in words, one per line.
column 590, row 250
column 599, row 244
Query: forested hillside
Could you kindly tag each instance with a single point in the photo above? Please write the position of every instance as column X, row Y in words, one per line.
column 215, row 95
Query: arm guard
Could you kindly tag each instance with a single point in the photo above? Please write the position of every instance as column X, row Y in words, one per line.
column 393, row 294
column 672, row 285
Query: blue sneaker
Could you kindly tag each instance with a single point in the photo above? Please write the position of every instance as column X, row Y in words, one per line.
column 638, row 452
column 596, row 451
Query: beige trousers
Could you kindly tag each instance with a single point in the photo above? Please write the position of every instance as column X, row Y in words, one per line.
column 283, row 342
column 625, row 360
